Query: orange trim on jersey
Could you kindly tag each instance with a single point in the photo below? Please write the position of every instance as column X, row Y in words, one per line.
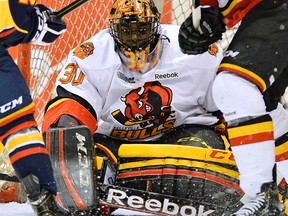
column 27, row 152
column 251, row 138
column 282, row 152
column 182, row 172
column 6, row 33
column 282, row 157
column 237, row 10
column 248, row 134
column 64, row 106
column 250, row 75
column 246, row 130
column 19, row 128
column 20, row 113
column 73, row 192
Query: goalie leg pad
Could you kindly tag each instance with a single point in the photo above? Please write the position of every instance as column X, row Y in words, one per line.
column 72, row 152
column 195, row 173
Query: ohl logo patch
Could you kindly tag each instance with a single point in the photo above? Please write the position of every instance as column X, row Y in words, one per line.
column 84, row 50
column 213, row 49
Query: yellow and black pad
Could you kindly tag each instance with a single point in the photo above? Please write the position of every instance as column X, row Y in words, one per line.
column 204, row 174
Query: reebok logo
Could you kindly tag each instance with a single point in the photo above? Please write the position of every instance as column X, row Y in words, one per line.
column 162, row 207
column 166, row 75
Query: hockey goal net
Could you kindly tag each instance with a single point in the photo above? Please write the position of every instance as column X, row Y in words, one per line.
column 41, row 65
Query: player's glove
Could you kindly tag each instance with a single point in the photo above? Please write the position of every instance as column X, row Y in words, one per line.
column 191, row 41
column 271, row 100
column 273, row 95
column 46, row 26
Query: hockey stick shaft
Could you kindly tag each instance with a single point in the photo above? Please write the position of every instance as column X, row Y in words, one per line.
column 6, row 177
column 70, row 8
column 196, row 15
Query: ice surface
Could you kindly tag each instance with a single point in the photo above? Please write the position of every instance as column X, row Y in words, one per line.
column 17, row 209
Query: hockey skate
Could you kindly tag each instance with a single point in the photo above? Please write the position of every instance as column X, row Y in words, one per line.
column 266, row 203
column 42, row 201
column 46, row 205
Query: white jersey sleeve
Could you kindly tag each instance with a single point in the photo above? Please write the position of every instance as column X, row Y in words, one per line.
column 81, row 76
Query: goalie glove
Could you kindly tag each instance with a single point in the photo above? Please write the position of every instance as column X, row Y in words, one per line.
column 191, row 41
column 46, row 27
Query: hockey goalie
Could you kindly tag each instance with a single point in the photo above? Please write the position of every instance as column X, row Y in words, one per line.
column 133, row 124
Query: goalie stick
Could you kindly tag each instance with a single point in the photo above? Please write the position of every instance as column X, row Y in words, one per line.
column 114, row 196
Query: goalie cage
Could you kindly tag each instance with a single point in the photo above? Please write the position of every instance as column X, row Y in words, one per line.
column 46, row 62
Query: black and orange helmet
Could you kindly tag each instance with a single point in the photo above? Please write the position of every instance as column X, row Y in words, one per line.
column 135, row 27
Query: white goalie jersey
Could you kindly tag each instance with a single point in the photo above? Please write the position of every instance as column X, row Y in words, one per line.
column 134, row 106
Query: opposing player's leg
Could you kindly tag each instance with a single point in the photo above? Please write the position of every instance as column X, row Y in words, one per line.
column 280, row 123
column 251, row 135
column 25, row 145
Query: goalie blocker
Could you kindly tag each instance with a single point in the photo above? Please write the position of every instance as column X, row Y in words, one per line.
column 72, row 152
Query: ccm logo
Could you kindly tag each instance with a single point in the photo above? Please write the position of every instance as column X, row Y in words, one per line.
column 120, row 198
column 83, row 161
column 11, row 105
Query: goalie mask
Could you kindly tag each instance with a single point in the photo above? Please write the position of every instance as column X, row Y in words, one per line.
column 134, row 25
